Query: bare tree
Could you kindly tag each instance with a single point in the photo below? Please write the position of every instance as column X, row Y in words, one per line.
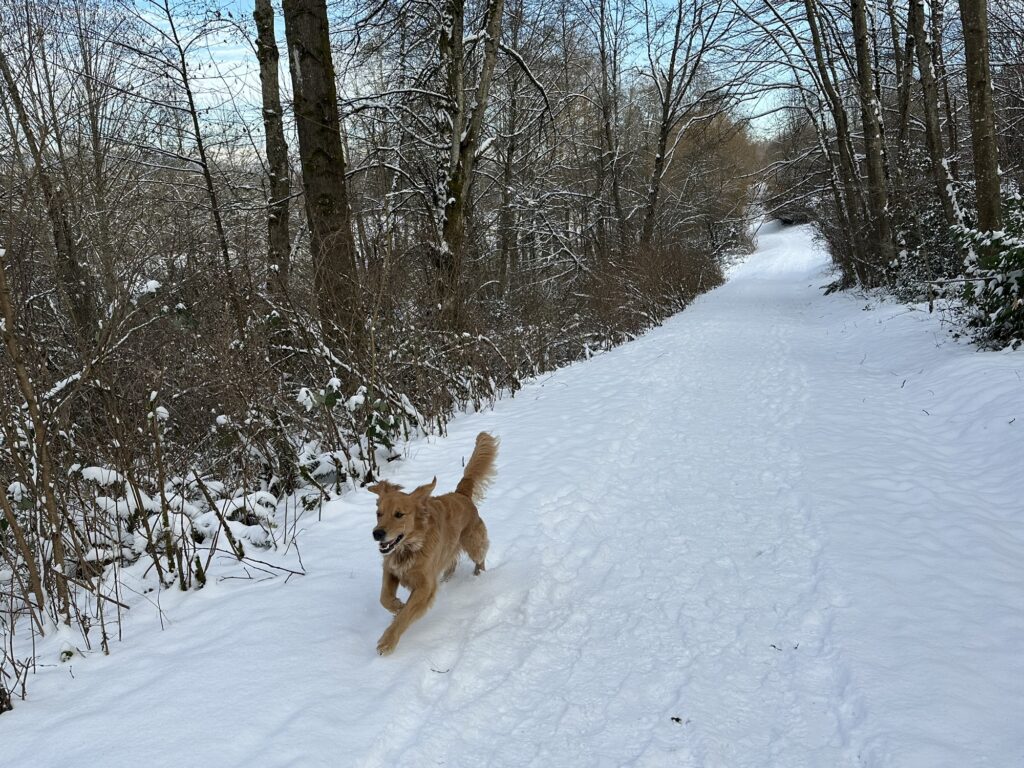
column 323, row 165
column 698, row 28
column 74, row 280
column 164, row 25
column 974, row 14
column 278, row 240
column 853, row 207
column 874, row 144
column 464, row 113
column 930, row 105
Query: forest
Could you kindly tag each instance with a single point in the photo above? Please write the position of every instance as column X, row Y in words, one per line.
column 247, row 252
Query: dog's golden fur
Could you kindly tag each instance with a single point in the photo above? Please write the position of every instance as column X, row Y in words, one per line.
column 421, row 537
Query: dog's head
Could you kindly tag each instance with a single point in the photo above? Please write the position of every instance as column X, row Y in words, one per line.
column 400, row 515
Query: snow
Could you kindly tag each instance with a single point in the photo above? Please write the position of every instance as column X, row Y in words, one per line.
column 61, row 385
column 305, row 398
column 783, row 529
column 102, row 476
column 355, row 402
column 17, row 491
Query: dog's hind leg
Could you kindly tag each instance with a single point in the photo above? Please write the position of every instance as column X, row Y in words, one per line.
column 450, row 569
column 474, row 542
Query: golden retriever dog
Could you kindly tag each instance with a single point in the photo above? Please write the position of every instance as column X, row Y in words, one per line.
column 421, row 537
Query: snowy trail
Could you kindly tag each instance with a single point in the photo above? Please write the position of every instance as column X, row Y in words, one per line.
column 778, row 531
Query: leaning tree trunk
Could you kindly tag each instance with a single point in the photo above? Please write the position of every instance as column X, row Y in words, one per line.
column 186, row 82
column 278, row 241
column 466, row 127
column 974, row 14
column 322, row 158
column 74, row 282
column 847, row 170
column 878, row 196
column 932, row 127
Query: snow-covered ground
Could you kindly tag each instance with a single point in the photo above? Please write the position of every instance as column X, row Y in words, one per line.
column 782, row 530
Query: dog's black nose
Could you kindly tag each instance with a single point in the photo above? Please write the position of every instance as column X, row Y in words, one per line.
column 378, row 534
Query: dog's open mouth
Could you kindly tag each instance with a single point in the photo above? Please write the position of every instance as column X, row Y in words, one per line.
column 387, row 547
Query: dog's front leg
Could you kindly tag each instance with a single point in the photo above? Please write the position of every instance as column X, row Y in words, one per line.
column 389, row 592
column 419, row 601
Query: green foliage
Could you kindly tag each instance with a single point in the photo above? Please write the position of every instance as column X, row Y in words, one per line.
column 994, row 295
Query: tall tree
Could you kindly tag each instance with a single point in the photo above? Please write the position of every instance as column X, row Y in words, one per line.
column 610, row 36
column 698, row 26
column 932, row 128
column 278, row 241
column 974, row 15
column 466, row 118
column 322, row 159
column 854, row 204
column 181, row 38
column 874, row 145
column 74, row 282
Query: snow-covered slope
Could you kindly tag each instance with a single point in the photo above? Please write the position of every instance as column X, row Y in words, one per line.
column 782, row 530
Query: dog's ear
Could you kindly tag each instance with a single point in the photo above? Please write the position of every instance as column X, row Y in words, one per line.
column 423, row 492
column 383, row 487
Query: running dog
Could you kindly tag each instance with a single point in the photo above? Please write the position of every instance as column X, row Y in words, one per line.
column 421, row 537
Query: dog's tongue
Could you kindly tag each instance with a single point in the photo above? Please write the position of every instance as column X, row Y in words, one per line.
column 387, row 547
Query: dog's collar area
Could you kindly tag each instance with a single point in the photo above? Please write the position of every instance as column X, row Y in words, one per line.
column 387, row 547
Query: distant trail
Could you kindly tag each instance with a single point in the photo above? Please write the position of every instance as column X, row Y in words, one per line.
column 734, row 542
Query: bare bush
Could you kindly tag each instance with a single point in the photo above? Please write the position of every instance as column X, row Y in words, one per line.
column 185, row 379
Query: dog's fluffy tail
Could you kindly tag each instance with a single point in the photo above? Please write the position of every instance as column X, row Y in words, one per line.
column 480, row 469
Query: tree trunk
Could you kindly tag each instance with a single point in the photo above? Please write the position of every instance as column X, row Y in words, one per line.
column 667, row 97
column 905, row 70
column 654, row 187
column 181, row 49
column 46, row 498
column 609, row 96
column 974, row 14
column 932, row 127
column 844, row 145
column 466, row 128
column 878, row 197
column 74, row 282
column 335, row 279
column 278, row 241
column 507, row 240
column 939, row 67
column 894, row 33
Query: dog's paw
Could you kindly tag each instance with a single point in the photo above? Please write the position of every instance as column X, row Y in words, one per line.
column 396, row 606
column 386, row 644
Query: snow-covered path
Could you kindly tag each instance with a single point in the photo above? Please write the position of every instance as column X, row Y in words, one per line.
column 782, row 530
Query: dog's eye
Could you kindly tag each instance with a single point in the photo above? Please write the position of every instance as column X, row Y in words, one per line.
column 398, row 514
